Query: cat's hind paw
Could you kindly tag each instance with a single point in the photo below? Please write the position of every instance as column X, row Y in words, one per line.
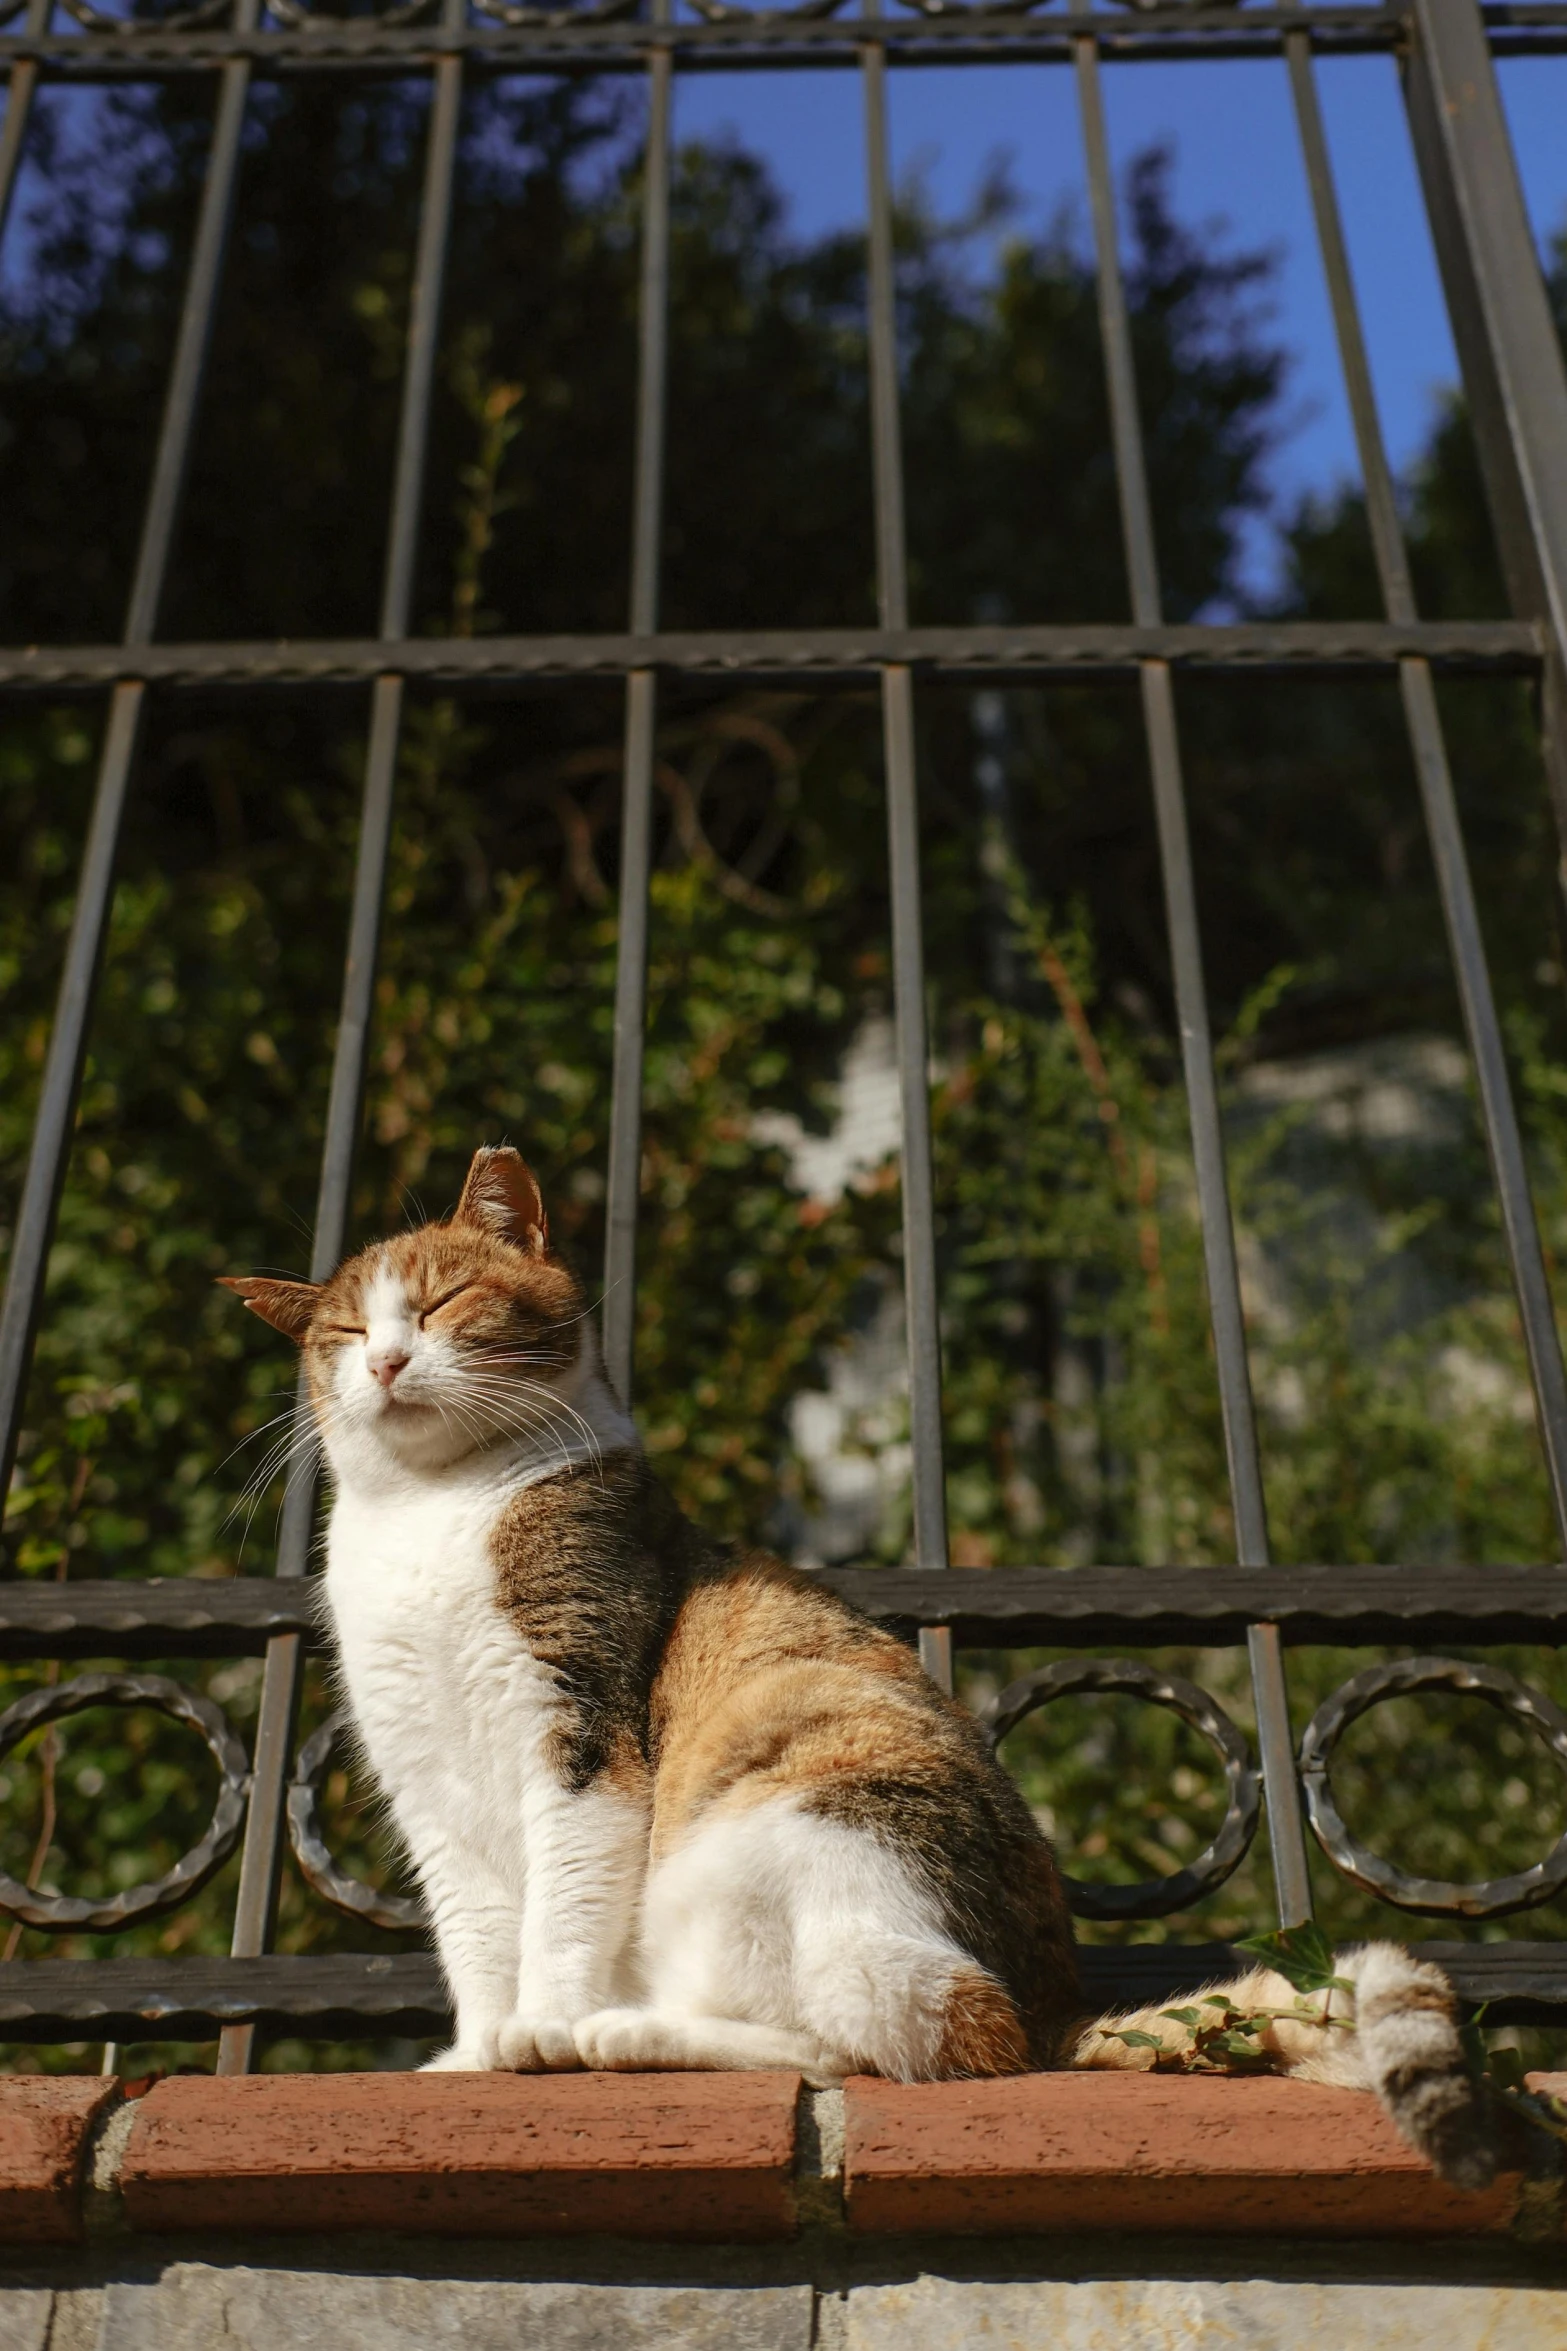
column 535, row 2044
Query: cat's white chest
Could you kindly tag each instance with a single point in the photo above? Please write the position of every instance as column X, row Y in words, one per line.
column 452, row 1705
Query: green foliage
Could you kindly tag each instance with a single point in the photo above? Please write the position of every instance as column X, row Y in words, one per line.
column 1302, row 1955
column 1213, row 2035
column 1082, row 1416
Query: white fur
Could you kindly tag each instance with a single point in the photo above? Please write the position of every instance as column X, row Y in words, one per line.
column 775, row 1937
column 532, row 1889
column 772, row 1937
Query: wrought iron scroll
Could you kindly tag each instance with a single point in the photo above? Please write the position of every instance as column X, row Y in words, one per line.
column 395, row 14
column 1124, row 1677
column 311, row 1851
column 1432, row 1897
column 506, row 12
column 620, row 36
column 173, row 20
column 61, row 1914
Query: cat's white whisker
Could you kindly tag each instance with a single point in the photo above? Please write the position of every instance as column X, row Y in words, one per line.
column 541, row 1409
column 300, row 1440
column 278, row 1420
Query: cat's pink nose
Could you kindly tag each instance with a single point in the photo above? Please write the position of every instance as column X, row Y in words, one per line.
column 386, row 1363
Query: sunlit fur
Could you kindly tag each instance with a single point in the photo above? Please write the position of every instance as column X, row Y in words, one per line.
column 1405, row 2048
column 672, row 1804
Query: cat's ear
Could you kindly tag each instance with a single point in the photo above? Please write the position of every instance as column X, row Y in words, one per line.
column 287, row 1306
column 501, row 1197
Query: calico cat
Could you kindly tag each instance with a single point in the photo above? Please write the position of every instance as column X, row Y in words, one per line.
column 672, row 1803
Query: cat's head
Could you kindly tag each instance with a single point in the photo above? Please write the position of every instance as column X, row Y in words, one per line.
column 442, row 1341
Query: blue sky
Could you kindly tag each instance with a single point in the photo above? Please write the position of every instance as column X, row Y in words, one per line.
column 1237, row 162
column 1230, row 127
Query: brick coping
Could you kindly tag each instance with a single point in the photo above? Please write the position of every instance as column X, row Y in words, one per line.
column 728, row 2158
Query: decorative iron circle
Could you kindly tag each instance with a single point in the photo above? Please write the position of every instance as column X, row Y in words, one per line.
column 1436, row 1897
column 520, row 18
column 173, row 20
column 1122, row 1676
column 293, row 14
column 315, row 1861
column 58, row 1914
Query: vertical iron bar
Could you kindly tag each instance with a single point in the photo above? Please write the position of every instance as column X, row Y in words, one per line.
column 1503, row 1140
column 908, row 953
column 1512, row 362
column 21, row 83
column 56, row 1115
column 1514, row 375
column 1275, row 1739
column 255, row 1907
column 1387, row 533
column 636, row 820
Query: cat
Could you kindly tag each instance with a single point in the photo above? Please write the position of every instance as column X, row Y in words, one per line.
column 670, row 1802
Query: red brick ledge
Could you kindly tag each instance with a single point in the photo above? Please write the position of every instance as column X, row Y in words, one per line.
column 727, row 2157
column 688, row 2155
column 46, row 2124
column 1056, row 2152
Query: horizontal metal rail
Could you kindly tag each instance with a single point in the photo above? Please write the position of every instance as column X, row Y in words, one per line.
column 1311, row 647
column 1003, row 1607
column 349, row 1996
column 765, row 41
column 1026, row 1607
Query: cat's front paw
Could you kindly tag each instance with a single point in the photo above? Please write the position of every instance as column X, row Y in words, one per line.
column 456, row 2061
column 609, row 2039
column 535, row 2044
column 630, row 2040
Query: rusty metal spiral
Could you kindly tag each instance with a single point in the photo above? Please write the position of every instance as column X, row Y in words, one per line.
column 1124, row 1677
column 1434, row 1897
column 59, row 1914
column 312, row 1852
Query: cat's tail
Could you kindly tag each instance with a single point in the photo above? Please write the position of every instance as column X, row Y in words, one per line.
column 1394, row 2031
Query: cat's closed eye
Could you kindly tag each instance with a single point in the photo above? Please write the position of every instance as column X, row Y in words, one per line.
column 436, row 1304
column 345, row 1330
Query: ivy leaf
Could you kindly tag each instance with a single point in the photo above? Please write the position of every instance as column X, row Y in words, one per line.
column 1472, row 2041
column 1506, row 2068
column 1136, row 2040
column 1244, row 2034
column 1302, row 1955
column 1238, row 2045
column 1190, row 2017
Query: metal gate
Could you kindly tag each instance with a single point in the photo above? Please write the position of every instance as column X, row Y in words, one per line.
column 1517, row 391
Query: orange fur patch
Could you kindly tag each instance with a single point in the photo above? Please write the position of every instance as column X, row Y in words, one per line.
column 768, row 1686
column 983, row 2033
